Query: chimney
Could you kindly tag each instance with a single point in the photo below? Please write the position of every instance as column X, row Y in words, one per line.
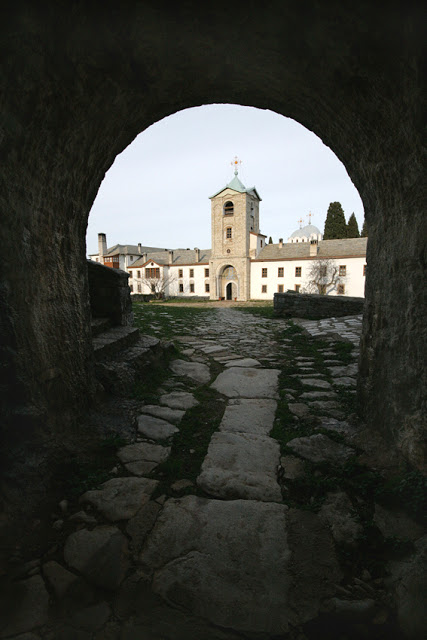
column 144, row 257
column 170, row 260
column 102, row 246
column 197, row 254
column 280, row 243
column 139, row 247
column 313, row 247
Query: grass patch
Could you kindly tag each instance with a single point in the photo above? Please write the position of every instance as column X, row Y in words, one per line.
column 190, row 444
column 179, row 300
column 343, row 351
column 265, row 310
column 158, row 320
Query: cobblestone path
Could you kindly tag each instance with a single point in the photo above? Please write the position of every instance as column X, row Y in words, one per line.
column 216, row 549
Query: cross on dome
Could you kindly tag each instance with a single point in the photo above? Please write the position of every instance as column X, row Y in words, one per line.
column 300, row 221
column 310, row 215
column 235, row 163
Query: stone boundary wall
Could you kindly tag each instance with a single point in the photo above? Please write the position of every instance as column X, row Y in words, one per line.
column 314, row 306
column 109, row 294
column 142, row 297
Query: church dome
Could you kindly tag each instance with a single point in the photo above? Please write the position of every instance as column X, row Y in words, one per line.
column 307, row 233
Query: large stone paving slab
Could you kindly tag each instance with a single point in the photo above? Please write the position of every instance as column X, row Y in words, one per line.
column 315, row 382
column 179, row 400
column 101, row 555
column 252, row 415
column 164, row 413
column 196, row 371
column 141, row 458
column 155, row 428
column 226, row 561
column 120, row 498
column 241, row 465
column 244, row 362
column 320, row 448
column 241, row 382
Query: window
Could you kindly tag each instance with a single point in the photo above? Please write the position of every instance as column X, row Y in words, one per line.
column 207, row 288
column 138, row 274
column 264, row 288
column 280, row 288
column 206, row 273
column 364, row 269
column 131, row 287
column 191, row 287
column 297, row 287
column 191, row 273
column 228, row 233
column 153, row 288
column 343, row 269
column 96, row 259
column 181, row 288
column 341, row 289
column 264, row 272
column 130, row 275
column 228, row 208
column 130, row 257
column 280, row 272
column 180, row 273
column 261, row 243
column 152, row 273
column 322, row 271
column 139, row 288
column 298, row 272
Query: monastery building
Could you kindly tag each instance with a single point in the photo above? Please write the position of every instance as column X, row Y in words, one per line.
column 240, row 265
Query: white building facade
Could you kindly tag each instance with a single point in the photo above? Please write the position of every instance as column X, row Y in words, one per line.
column 240, row 265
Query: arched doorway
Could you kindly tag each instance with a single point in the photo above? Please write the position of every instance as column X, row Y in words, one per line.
column 228, row 284
column 346, row 73
column 230, row 291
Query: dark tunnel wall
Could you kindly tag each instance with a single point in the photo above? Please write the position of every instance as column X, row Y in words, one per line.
column 81, row 84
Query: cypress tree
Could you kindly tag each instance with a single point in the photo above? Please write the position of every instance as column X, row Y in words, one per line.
column 335, row 224
column 352, row 227
column 270, row 240
column 364, row 232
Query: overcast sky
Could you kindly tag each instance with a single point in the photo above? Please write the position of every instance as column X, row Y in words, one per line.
column 157, row 191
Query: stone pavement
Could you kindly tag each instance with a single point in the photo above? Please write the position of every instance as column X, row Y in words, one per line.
column 230, row 553
column 348, row 327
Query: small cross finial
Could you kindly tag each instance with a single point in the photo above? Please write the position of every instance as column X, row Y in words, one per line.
column 310, row 215
column 300, row 221
column 235, row 163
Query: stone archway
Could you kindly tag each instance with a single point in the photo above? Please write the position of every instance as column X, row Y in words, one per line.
column 82, row 85
column 228, row 282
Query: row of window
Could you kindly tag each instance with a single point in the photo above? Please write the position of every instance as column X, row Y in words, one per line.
column 340, row 288
column 180, row 288
column 155, row 273
column 298, row 271
column 191, row 274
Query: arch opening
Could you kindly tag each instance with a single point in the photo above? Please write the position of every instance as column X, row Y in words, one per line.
column 63, row 133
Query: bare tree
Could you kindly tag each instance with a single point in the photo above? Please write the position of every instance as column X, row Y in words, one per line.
column 323, row 277
column 158, row 286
